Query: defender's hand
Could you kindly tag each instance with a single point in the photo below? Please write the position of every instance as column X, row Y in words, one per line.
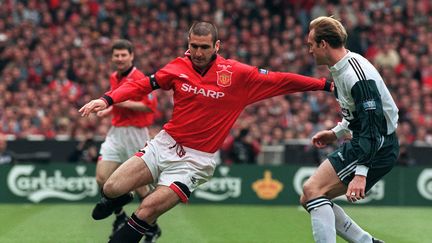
column 93, row 106
column 323, row 138
column 356, row 188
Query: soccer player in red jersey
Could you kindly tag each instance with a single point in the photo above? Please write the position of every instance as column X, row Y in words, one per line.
column 210, row 92
column 129, row 132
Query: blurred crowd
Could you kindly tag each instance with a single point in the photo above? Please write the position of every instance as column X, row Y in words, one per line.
column 55, row 56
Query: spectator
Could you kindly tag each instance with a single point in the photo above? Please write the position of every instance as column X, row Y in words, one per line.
column 387, row 57
column 244, row 149
column 86, row 151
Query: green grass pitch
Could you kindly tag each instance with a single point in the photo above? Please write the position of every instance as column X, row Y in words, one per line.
column 46, row 223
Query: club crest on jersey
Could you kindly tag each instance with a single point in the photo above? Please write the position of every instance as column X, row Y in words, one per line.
column 224, row 76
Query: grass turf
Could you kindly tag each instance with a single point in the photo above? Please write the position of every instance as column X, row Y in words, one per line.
column 47, row 223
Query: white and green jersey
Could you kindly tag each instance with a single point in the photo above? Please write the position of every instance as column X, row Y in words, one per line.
column 368, row 109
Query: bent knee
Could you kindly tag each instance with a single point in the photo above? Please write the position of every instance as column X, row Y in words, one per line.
column 101, row 179
column 111, row 188
column 303, row 200
column 147, row 210
column 310, row 191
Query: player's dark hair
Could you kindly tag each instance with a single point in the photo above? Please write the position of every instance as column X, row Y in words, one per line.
column 330, row 30
column 204, row 28
column 122, row 44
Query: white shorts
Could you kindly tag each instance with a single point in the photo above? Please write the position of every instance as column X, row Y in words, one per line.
column 175, row 166
column 122, row 143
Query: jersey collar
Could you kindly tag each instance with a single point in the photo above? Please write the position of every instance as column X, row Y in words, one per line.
column 121, row 75
column 341, row 63
column 201, row 71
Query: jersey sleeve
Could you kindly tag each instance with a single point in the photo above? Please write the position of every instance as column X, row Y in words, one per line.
column 164, row 76
column 372, row 121
column 132, row 89
column 264, row 84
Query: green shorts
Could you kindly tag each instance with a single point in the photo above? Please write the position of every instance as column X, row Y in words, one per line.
column 344, row 161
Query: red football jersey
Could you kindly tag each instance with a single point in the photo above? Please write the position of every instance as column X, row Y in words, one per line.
column 207, row 105
column 123, row 117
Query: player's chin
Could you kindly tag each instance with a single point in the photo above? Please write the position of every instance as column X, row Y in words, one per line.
column 120, row 66
column 320, row 62
column 200, row 63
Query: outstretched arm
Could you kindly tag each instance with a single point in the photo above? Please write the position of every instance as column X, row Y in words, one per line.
column 128, row 90
column 134, row 105
column 266, row 84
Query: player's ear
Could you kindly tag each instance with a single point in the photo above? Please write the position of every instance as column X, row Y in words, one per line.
column 323, row 44
column 217, row 45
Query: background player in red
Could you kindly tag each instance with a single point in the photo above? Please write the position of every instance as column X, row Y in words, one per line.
column 210, row 92
column 129, row 131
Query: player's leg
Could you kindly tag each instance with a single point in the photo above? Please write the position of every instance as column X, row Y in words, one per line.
column 341, row 166
column 135, row 140
column 132, row 174
column 316, row 201
column 143, row 220
column 346, row 228
column 151, row 235
column 328, row 218
column 117, row 189
column 111, row 156
column 383, row 162
column 103, row 170
column 176, row 174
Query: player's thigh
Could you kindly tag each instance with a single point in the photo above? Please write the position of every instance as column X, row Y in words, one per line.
column 324, row 182
column 130, row 175
column 104, row 169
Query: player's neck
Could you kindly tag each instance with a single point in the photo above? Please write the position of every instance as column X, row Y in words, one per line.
column 124, row 73
column 335, row 55
column 203, row 70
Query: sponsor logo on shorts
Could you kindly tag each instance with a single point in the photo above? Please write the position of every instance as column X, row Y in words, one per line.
column 341, row 156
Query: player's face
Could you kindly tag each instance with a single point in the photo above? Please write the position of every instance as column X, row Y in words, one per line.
column 122, row 59
column 316, row 49
column 202, row 49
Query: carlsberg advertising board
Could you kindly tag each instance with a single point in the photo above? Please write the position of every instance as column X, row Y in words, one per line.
column 237, row 184
column 49, row 183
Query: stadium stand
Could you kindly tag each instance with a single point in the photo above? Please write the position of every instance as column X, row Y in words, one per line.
column 54, row 57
